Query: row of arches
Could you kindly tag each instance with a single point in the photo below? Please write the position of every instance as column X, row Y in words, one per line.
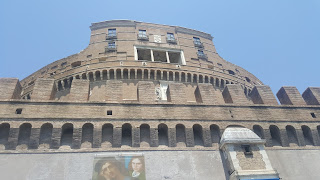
column 143, row 136
column 146, row 74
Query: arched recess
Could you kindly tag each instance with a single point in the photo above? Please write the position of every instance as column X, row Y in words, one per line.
column 181, row 135
column 24, row 134
column 132, row 73
column 197, row 135
column 145, row 135
column 170, row 76
column 46, row 133
column 107, row 133
column 98, row 76
column 125, row 74
column 176, row 76
column 139, row 74
column 66, row 134
column 104, row 74
column 158, row 77
column 292, row 135
column 87, row 133
column 275, row 135
column 118, row 74
column 215, row 133
column 200, row 79
column 4, row 133
column 195, row 78
column 183, row 77
column 307, row 135
column 318, row 128
column 111, row 74
column 126, row 135
column 163, row 134
column 259, row 131
column 145, row 74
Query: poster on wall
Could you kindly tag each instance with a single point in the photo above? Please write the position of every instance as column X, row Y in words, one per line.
column 119, row 167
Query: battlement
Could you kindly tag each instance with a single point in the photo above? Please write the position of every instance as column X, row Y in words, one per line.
column 145, row 92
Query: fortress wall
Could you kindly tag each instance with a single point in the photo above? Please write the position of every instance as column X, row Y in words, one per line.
column 174, row 165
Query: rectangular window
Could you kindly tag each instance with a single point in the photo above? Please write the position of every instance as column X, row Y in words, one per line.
column 142, row 33
column 197, row 42
column 170, row 36
column 112, row 32
column 200, row 53
column 171, row 39
column 111, row 45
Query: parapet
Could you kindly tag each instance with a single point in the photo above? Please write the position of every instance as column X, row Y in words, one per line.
column 233, row 93
column 312, row 95
column 10, row 88
column 289, row 95
column 263, row 95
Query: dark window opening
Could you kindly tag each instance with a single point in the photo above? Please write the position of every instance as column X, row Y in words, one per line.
column 248, row 80
column 75, row 64
column 313, row 115
column 160, row 56
column 19, row 111
column 144, row 54
column 247, row 149
column 231, row 72
column 109, row 112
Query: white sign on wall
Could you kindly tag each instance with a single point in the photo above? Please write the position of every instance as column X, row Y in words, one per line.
column 157, row 38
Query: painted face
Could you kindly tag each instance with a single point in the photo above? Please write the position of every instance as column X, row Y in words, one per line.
column 137, row 165
column 110, row 170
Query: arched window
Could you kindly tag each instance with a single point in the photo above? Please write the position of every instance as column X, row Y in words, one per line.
column 206, row 79
column 118, row 74
column 4, row 133
column 145, row 74
column 111, row 74
column 181, row 135
column 46, row 133
column 87, row 133
column 292, row 135
column 104, row 74
column 158, row 75
column 189, row 77
column 170, row 76
column 126, row 135
column 215, row 133
column 139, row 74
column 275, row 135
column 84, row 76
column 197, row 134
column 145, row 135
column 222, row 83
column 152, row 74
column 163, row 134
column 200, row 79
column 107, row 133
column 67, row 134
column 307, row 135
column 259, row 131
column 125, row 74
column 176, row 76
column 183, row 77
column 91, row 76
column 132, row 73
column 195, row 78
column 24, row 134
column 98, row 77
column 217, row 82
column 165, row 75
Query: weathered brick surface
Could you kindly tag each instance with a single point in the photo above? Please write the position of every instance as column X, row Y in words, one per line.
column 233, row 93
column 10, row 88
column 263, row 95
column 146, row 92
column 176, row 93
column 208, row 95
column 114, row 91
column 79, row 90
column 44, row 89
column 289, row 95
column 312, row 95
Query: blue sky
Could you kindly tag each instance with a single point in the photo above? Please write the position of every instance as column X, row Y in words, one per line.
column 278, row 41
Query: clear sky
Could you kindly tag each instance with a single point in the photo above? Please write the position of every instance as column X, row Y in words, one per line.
column 276, row 40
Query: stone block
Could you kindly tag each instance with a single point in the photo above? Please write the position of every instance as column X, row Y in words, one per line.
column 312, row 95
column 233, row 93
column 176, row 93
column 10, row 88
column 289, row 95
column 263, row 95
column 114, row 91
column 44, row 89
column 208, row 95
column 79, row 90
column 146, row 92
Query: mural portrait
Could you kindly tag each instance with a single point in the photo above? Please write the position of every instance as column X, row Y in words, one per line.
column 119, row 168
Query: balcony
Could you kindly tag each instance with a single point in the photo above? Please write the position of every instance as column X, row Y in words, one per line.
column 143, row 37
column 111, row 36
